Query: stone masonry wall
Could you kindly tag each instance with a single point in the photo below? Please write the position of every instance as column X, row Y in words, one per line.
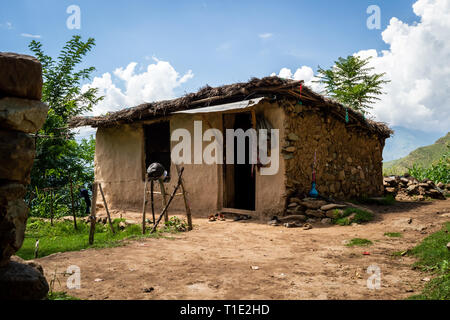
column 21, row 113
column 349, row 159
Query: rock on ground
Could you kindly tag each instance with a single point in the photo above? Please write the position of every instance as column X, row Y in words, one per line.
column 22, row 282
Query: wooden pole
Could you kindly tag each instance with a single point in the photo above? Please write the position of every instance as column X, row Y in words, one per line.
column 164, row 199
column 93, row 217
column 51, row 207
column 73, row 206
column 144, row 205
column 106, row 208
column 170, row 200
column 152, row 200
column 186, row 203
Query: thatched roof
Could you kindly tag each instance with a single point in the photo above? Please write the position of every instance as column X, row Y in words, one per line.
column 208, row 96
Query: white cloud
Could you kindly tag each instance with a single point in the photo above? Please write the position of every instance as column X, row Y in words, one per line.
column 28, row 35
column 156, row 83
column 418, row 65
column 304, row 73
column 265, row 35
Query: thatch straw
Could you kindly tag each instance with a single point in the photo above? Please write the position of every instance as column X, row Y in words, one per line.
column 208, row 96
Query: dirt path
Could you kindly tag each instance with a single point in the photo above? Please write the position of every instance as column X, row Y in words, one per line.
column 214, row 261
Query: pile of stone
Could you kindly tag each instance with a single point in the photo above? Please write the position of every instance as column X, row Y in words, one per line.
column 21, row 114
column 307, row 211
column 409, row 188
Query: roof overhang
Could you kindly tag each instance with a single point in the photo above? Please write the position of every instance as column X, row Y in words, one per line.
column 223, row 108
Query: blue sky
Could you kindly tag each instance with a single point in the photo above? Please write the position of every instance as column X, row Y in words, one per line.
column 229, row 41
column 218, row 40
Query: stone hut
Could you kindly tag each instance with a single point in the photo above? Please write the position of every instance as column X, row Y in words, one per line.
column 348, row 148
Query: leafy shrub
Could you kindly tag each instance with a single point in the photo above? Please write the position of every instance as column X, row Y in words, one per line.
column 40, row 203
column 438, row 172
column 347, row 217
column 176, row 224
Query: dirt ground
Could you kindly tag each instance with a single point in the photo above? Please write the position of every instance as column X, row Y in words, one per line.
column 214, row 261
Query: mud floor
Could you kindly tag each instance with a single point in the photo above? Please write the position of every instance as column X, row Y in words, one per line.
column 215, row 260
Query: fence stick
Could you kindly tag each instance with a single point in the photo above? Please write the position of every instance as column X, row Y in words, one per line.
column 106, row 207
column 144, row 205
column 186, row 203
column 93, row 217
column 73, row 206
column 170, row 200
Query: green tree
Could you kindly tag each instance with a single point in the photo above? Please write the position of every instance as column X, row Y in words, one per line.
column 59, row 158
column 351, row 82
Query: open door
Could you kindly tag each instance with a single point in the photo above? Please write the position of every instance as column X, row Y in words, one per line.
column 239, row 181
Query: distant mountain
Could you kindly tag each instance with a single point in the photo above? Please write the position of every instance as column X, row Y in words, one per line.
column 407, row 140
column 423, row 156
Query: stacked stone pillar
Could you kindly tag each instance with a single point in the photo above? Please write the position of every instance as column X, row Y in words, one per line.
column 21, row 114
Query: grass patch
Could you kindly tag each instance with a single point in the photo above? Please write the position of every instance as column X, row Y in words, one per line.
column 399, row 253
column 382, row 201
column 393, row 234
column 60, row 296
column 435, row 257
column 62, row 237
column 352, row 215
column 359, row 242
column 432, row 252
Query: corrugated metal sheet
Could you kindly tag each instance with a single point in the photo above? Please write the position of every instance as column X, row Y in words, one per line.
column 245, row 104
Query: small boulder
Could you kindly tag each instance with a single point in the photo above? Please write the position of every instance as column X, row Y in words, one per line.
column 22, row 282
column 332, row 206
column 294, row 218
column 313, row 204
column 315, row 213
column 293, row 137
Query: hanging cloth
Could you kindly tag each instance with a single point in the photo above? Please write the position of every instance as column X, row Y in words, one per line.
column 301, row 89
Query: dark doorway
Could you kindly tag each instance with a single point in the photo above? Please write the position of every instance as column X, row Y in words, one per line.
column 239, row 188
column 157, row 144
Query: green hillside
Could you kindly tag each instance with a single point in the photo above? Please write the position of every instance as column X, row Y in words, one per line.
column 424, row 157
